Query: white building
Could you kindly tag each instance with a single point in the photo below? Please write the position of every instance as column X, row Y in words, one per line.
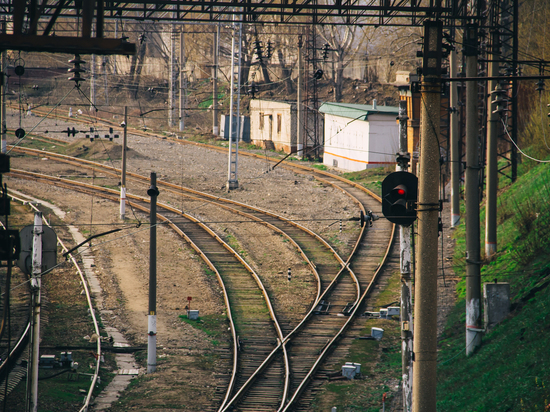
column 360, row 136
column 273, row 125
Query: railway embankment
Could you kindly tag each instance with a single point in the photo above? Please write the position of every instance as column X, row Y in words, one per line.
column 510, row 371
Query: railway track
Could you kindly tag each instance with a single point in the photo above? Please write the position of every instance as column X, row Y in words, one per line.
column 20, row 302
column 343, row 296
column 254, row 324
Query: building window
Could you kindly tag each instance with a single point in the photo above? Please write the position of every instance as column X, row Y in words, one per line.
column 279, row 122
column 261, row 120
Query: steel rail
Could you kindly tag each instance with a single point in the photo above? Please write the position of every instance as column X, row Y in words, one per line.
column 215, row 199
column 320, row 175
column 22, row 340
column 96, row 190
column 316, row 300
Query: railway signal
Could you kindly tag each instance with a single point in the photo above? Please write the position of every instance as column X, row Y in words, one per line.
column 399, row 195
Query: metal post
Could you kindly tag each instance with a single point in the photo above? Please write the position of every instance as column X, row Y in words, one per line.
column 92, row 82
column 425, row 302
column 234, row 118
column 492, row 168
column 123, row 181
column 172, row 83
column 114, row 55
column 182, row 85
column 36, row 281
column 299, row 112
column 152, row 317
column 215, row 127
column 455, row 137
column 405, row 264
column 473, row 279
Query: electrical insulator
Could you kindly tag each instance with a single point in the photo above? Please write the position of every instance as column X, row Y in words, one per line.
column 76, row 70
column 269, row 49
column 69, row 132
column 318, row 74
column 325, row 51
column 258, row 49
column 500, row 99
column 540, row 86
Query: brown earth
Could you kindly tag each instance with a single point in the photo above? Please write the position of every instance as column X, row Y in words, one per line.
column 191, row 363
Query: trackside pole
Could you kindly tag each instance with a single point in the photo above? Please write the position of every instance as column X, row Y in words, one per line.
column 32, row 383
column 123, row 179
column 152, row 317
column 425, row 285
column 403, row 158
column 473, row 264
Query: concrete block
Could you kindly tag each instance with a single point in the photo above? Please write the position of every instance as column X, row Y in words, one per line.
column 496, row 303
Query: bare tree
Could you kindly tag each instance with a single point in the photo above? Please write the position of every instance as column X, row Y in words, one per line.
column 347, row 43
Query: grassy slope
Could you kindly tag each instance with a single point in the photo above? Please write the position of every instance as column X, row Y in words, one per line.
column 511, row 370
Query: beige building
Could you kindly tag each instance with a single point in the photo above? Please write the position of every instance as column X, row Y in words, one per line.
column 273, row 125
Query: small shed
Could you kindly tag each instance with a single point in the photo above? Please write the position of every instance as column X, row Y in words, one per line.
column 360, row 136
column 273, row 125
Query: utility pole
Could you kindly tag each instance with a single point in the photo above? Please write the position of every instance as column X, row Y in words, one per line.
column 403, row 158
column 105, row 82
column 172, row 84
column 299, row 113
column 455, row 138
column 473, row 278
column 92, row 82
column 123, row 180
column 182, row 83
column 215, row 127
column 153, row 192
column 492, row 138
column 234, row 118
column 36, row 281
column 425, row 302
column 3, row 88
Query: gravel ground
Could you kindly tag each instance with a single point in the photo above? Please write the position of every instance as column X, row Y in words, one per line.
column 123, row 266
column 185, row 353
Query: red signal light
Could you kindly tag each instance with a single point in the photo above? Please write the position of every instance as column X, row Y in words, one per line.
column 401, row 192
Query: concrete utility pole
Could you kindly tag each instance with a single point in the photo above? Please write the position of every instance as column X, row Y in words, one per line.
column 3, row 90
column 36, row 282
column 492, row 168
column 182, row 84
column 403, row 159
column 153, row 192
column 473, row 264
column 215, row 127
column 425, row 302
column 455, row 138
column 299, row 112
column 123, row 179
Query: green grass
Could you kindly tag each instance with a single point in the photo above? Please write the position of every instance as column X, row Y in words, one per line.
column 511, row 369
column 370, row 178
column 212, row 325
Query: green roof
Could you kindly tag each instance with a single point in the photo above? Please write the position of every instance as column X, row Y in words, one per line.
column 356, row 111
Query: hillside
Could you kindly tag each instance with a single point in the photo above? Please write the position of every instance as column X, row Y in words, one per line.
column 511, row 370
